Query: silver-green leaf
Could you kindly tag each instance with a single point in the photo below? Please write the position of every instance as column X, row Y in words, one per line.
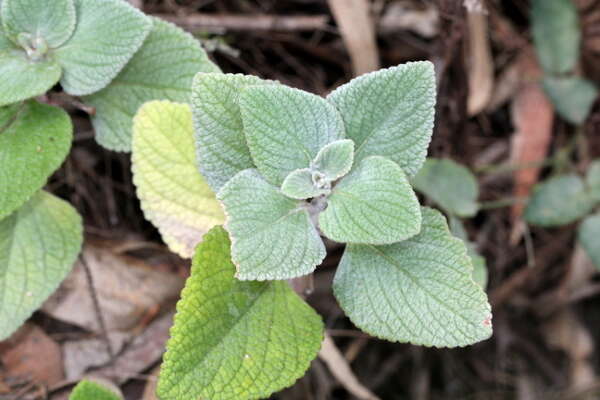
column 572, row 97
column 335, row 159
column 592, row 180
column 589, row 237
column 300, row 184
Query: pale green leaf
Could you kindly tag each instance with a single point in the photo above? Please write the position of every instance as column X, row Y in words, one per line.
column 589, row 237
column 173, row 195
column 163, row 69
column 53, row 21
column 558, row 201
column 556, row 34
column 419, row 291
column 221, row 146
column 373, row 204
column 480, row 273
column 272, row 235
column 107, row 35
column 572, row 97
column 450, row 185
column 390, row 113
column 335, row 159
column 38, row 246
column 34, row 140
column 88, row 390
column 235, row 340
column 285, row 128
column 300, row 184
column 592, row 179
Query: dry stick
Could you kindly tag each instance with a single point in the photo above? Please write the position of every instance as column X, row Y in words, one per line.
column 97, row 309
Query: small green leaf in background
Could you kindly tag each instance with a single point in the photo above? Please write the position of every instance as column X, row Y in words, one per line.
column 34, row 141
column 52, row 21
column 272, row 235
column 235, row 340
column 221, row 146
column 558, row 201
column 88, row 390
column 173, row 195
column 300, row 184
column 373, row 204
column 335, row 159
column 285, row 128
column 38, row 246
column 592, row 180
column 556, row 34
column 572, row 97
column 107, row 35
column 450, row 185
column 163, row 69
column 419, row 291
column 390, row 113
column 589, row 237
column 480, row 272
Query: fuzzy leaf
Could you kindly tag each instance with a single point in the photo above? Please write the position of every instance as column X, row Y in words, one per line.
column 175, row 199
column 480, row 273
column 221, row 146
column 107, row 35
column 419, row 291
column 38, row 246
column 373, row 204
column 450, row 185
column 558, row 201
column 556, row 34
column 88, row 390
column 272, row 235
column 34, row 140
column 285, row 128
column 390, row 113
column 300, row 184
column 162, row 69
column 235, row 340
column 572, row 97
column 592, row 180
column 335, row 159
column 589, row 232
column 54, row 21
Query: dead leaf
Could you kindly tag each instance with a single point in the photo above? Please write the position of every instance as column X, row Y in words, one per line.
column 404, row 16
column 481, row 74
column 150, row 389
column 81, row 355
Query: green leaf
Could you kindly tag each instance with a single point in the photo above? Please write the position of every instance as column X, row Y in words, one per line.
column 34, row 140
column 373, row 204
column 285, row 128
column 88, row 390
column 107, row 35
column 450, row 185
column 300, row 184
column 235, row 340
column 173, row 195
column 589, row 232
column 335, row 159
column 480, row 273
column 419, row 291
column 163, row 69
column 53, row 21
column 558, row 201
column 572, row 97
column 221, row 146
column 38, row 246
column 390, row 113
column 556, row 34
column 272, row 235
column 592, row 179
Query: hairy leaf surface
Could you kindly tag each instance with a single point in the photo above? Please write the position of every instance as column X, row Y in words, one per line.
column 589, row 235
column 221, row 146
column 390, row 113
column 335, row 159
column 232, row 339
column 34, row 140
column 173, row 195
column 419, row 291
column 88, row 390
column 572, row 97
column 163, row 69
column 286, row 128
column 300, row 184
column 272, row 235
column 373, row 204
column 38, row 246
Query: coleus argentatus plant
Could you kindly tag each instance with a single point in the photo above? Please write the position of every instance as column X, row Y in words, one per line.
column 113, row 58
column 288, row 168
